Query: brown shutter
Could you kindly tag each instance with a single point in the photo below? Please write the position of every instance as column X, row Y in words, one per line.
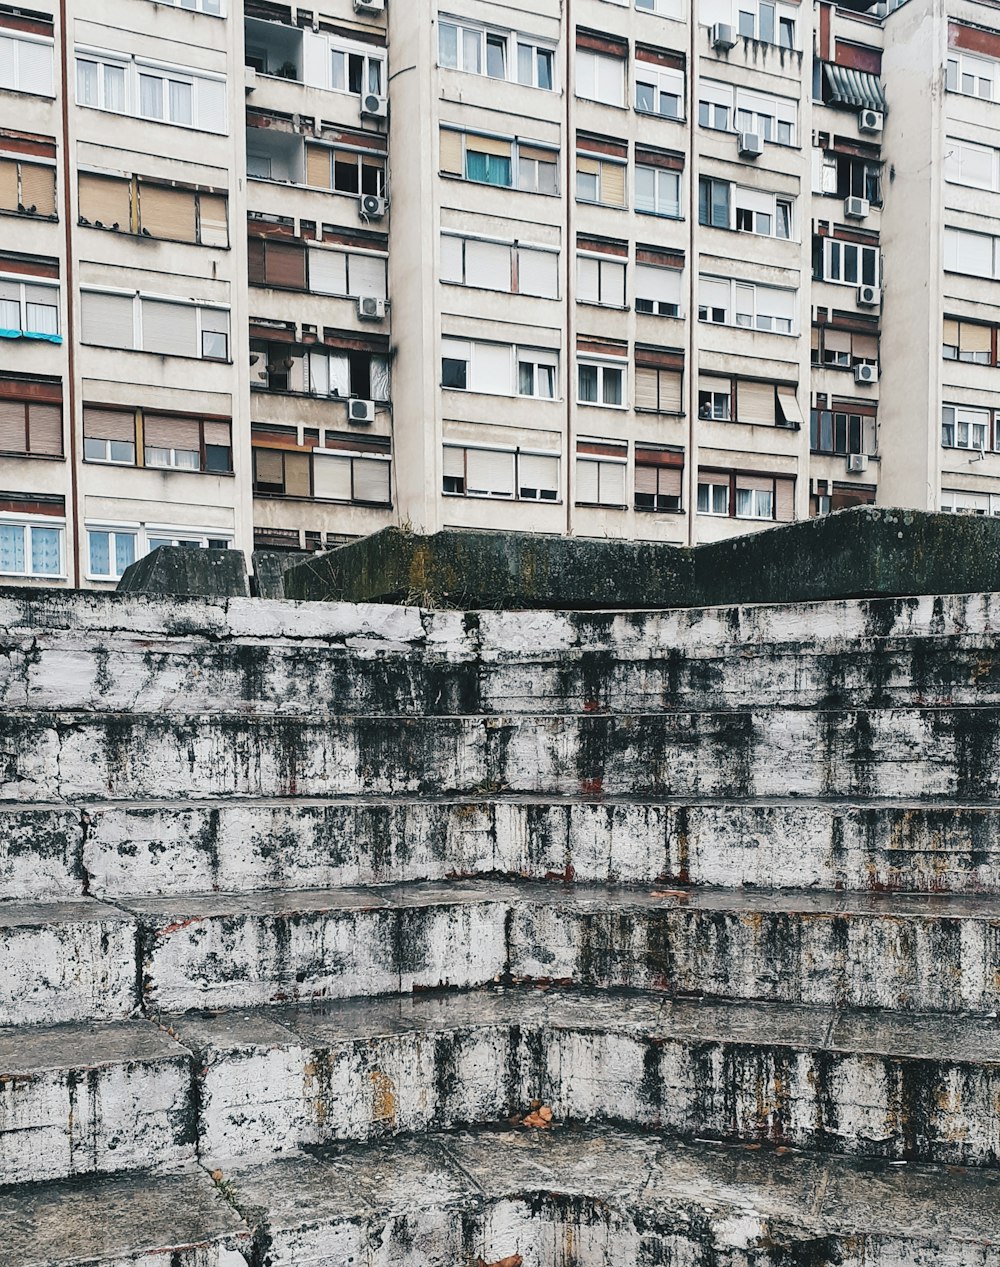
column 950, row 335
column 38, row 188
column 837, row 341
column 171, row 433
column 784, row 500
column 213, row 220
column 255, row 261
column 660, row 57
column 8, row 184
column 670, row 392
column 670, row 480
column 488, row 145
column 757, row 483
column 167, row 213
column 755, row 402
column 108, row 424
column 788, row 403
column 218, row 433
column 285, row 265
column 973, row 338
column 12, row 433
column 865, row 346
column 645, row 479
column 45, row 430
column 267, row 464
column 297, row 474
column 658, row 457
column 647, row 395
column 451, row 152
column 104, row 198
column 318, row 166
column 659, row 158
column 613, row 184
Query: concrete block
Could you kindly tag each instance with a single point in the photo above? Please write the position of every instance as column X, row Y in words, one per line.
column 188, row 573
column 41, row 853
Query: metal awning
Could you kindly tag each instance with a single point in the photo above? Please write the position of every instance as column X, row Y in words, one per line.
column 857, row 88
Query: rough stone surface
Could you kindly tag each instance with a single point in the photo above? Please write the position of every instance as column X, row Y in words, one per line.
column 187, row 572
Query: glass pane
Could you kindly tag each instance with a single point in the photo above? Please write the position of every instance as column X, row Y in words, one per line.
column 587, row 391
column 124, row 551
column 645, row 97
column 121, row 450
column 746, row 24
column 114, row 88
column 720, row 499
column 544, row 62
column 86, row 83
column 447, row 45
column 45, row 551
column 496, row 57
column 338, row 70
column 472, row 51
column 100, row 553
column 767, row 23
column 612, row 387
column 12, row 548
column 645, row 189
column 180, row 102
column 214, row 345
column 150, row 97
column 525, row 378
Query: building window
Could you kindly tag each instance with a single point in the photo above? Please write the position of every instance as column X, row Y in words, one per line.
column 966, row 428
column 351, row 172
column 356, row 477
column 713, row 203
column 976, row 166
column 498, row 54
column 659, row 90
column 658, row 290
column 658, row 477
column 480, row 471
column 490, row 161
column 108, row 436
column 713, row 497
column 109, row 552
column 355, row 274
column 967, row 341
column 762, row 213
column 29, row 426
column 498, row 369
column 143, row 324
column 211, row 7
column 600, row 279
column 536, row 373
column 767, row 22
column 148, row 91
column 272, row 262
column 537, row 170
column 599, row 383
column 843, row 349
column 975, row 254
column 846, row 263
column 355, row 71
column 170, row 442
column 504, row 266
column 658, row 191
column 715, row 399
column 972, row 76
column 26, row 64
column 726, row 108
column 746, row 304
column 600, row 180
column 30, row 548
column 135, row 205
column 657, row 388
column 841, row 432
column 754, row 503
column 29, row 310
column 27, row 188
column 847, row 176
column 600, row 77
column 600, row 473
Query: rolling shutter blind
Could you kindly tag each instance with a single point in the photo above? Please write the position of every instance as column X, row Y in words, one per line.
column 488, row 145
column 371, row 480
column 45, row 429
column 328, row 272
column 588, row 283
column 837, row 341
column 865, row 346
column 167, row 213
column 285, row 265
column 211, row 96
column 255, row 261
column 536, row 470
column 171, row 433
column 38, row 188
column 754, row 200
column 755, row 402
column 267, row 463
column 586, row 480
column 973, row 338
column 8, row 184
column 107, row 320
column 950, row 335
column 318, row 166
column 108, row 424
column 538, row 273
column 297, row 474
column 613, row 184
column 332, row 477
column 491, row 368
column 451, row 258
column 214, row 224
column 645, row 479
column 220, row 433
column 215, row 319
column 647, row 394
column 788, row 403
column 587, row 166
column 35, row 68
column 670, row 392
column 490, row 471
column 12, row 426
column 367, row 275
column 104, row 198
column 451, row 151
column 660, row 284
column 487, row 264
column 758, row 483
column 453, row 461
column 612, row 477
column 170, row 329
column 537, row 153
column 784, row 500
column 670, row 481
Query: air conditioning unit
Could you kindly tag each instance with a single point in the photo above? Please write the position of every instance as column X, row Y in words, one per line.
column 723, row 36
column 369, row 6
column 751, row 144
column 857, row 462
column 856, row 208
column 361, row 412
column 866, row 373
column 870, row 121
column 372, row 207
column 869, row 296
column 371, row 309
column 374, row 107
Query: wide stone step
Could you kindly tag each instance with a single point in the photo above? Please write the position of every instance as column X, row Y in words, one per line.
column 905, row 953
column 66, row 961
column 894, row 753
column 82, row 1098
column 121, row 673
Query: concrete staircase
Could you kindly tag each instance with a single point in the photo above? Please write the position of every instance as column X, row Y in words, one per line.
column 304, row 909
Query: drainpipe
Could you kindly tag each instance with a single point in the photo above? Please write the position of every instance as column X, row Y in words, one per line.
column 692, row 368
column 569, row 251
column 70, row 288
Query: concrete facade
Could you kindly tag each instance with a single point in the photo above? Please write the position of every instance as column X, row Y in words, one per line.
column 433, row 261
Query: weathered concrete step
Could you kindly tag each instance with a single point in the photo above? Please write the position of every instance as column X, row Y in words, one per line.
column 274, row 1080
column 66, row 961
column 907, row 953
column 139, row 1220
column 82, row 1098
column 595, row 1197
column 896, row 753
column 180, row 677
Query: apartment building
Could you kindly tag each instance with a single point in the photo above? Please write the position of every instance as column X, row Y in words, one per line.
column 275, row 277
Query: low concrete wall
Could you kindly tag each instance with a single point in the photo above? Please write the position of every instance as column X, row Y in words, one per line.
column 867, row 551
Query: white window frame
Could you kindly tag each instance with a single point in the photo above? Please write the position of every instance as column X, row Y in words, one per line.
column 954, row 161
column 835, row 259
column 780, row 13
column 23, row 283
column 664, row 204
column 657, row 307
column 133, row 67
column 759, row 508
column 17, row 39
column 720, row 405
column 28, row 523
column 601, row 160
column 545, row 360
column 513, row 42
column 964, row 422
column 665, row 8
column 347, row 49
column 972, row 75
column 757, row 292
column 601, row 460
column 605, row 368
column 114, row 530
column 533, row 166
column 605, row 261
column 954, row 235
column 666, row 83
column 776, row 200
column 178, row 534
column 586, row 57
column 137, row 331
column 210, row 8
column 712, row 485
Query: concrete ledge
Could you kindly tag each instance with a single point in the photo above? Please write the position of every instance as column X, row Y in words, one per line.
column 867, row 551
column 189, row 573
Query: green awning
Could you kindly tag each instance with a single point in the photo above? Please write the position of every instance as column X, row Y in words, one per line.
column 857, row 88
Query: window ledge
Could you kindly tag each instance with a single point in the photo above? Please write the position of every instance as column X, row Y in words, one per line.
column 38, row 457
column 602, row 505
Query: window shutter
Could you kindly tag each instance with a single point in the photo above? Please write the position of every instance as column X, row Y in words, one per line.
column 670, row 481
column 587, row 166
column 170, row 329
column 647, row 394
column 755, row 402
column 38, row 188
column 108, row 424
column 318, row 167
column 488, row 145
column 45, row 429
column 586, row 481
column 161, row 432
column 297, row 474
column 788, row 403
column 974, row 338
column 453, row 461
column 215, row 319
column 865, row 346
column 837, row 340
column 328, row 272
column 107, row 320
column 167, row 213
column 645, row 479
column 255, row 261
column 784, row 500
column 758, row 483
column 104, row 198
column 8, row 184
column 12, row 426
column 670, row 392
column 491, row 369
column 536, row 470
column 267, row 463
column 371, row 480
column 660, row 284
column 451, row 258
column 950, row 334
column 214, row 222
column 285, row 265
column 211, row 96
column 612, row 484
column 613, row 184
column 490, row 471
column 451, row 151
column 220, row 433
column 487, row 264
column 708, row 384
column 538, row 273
column 367, row 275
column 332, row 477
column 588, row 274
